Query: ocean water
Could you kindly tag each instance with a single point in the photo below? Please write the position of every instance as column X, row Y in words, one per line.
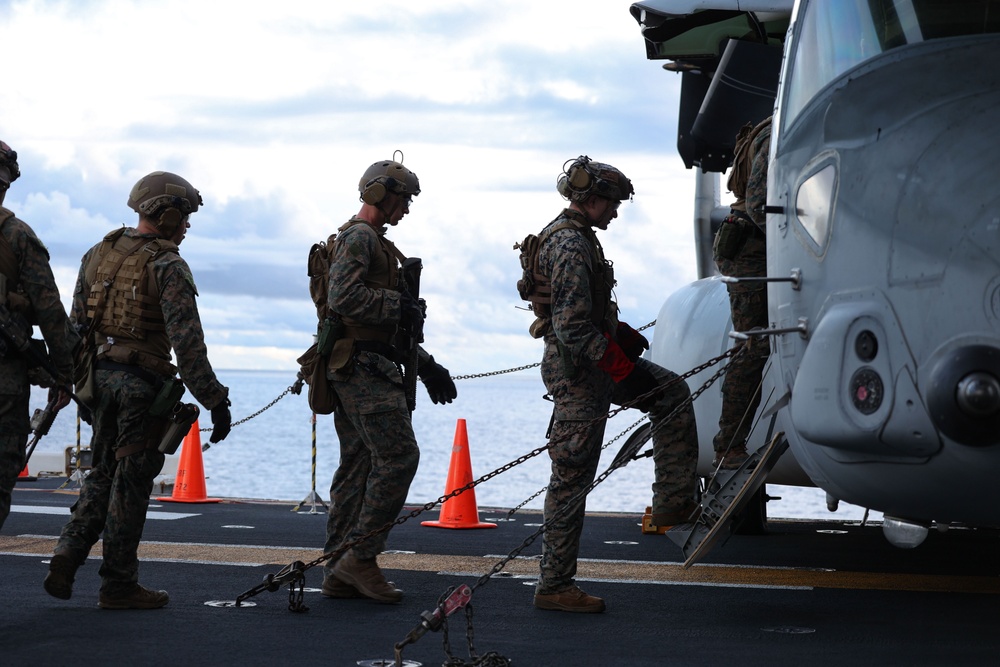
column 270, row 455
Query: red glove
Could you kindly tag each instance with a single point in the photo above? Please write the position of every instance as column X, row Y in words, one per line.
column 615, row 362
column 631, row 341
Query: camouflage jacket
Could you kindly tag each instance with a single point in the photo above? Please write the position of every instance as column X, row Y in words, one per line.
column 756, row 196
column 370, row 307
column 569, row 258
column 177, row 294
column 35, row 288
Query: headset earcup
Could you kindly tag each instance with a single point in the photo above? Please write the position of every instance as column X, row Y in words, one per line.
column 373, row 194
column 579, row 178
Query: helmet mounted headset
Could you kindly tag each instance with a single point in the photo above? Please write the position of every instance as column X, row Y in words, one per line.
column 165, row 199
column 8, row 163
column 387, row 177
column 582, row 178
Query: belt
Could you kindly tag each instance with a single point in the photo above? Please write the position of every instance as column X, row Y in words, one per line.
column 138, row 371
column 376, row 346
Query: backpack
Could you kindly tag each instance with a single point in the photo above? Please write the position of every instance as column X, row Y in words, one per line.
column 319, row 275
column 322, row 399
column 534, row 287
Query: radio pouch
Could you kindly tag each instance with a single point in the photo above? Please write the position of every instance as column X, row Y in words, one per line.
column 169, row 395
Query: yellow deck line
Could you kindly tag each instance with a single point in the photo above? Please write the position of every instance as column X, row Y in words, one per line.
column 619, row 570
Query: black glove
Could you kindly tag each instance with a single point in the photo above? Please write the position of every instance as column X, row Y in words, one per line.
column 411, row 316
column 222, row 422
column 631, row 341
column 440, row 386
column 640, row 381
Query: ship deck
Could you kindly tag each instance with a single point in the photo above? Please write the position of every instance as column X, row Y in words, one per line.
column 816, row 592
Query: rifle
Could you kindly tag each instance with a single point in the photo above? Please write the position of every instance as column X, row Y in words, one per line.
column 41, row 422
column 413, row 335
column 15, row 337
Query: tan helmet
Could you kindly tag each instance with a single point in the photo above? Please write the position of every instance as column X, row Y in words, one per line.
column 384, row 177
column 166, row 199
column 8, row 159
column 582, row 177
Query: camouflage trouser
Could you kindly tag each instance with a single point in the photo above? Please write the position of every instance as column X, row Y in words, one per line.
column 576, row 450
column 741, row 386
column 378, row 455
column 14, row 428
column 115, row 495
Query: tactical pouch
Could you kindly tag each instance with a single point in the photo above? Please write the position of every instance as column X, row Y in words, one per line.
column 169, row 395
column 570, row 369
column 179, row 425
column 331, row 331
column 729, row 240
column 84, row 381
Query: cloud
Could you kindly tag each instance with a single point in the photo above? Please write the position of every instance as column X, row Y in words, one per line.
column 273, row 111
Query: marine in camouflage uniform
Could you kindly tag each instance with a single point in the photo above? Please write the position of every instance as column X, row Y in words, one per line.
column 30, row 293
column 148, row 310
column 592, row 360
column 378, row 449
column 740, row 251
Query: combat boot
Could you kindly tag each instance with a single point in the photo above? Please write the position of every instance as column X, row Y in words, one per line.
column 335, row 588
column 138, row 597
column 731, row 459
column 59, row 581
column 572, row 599
column 367, row 578
column 664, row 521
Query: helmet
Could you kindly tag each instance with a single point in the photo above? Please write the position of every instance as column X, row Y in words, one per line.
column 582, row 177
column 384, row 177
column 8, row 159
column 165, row 198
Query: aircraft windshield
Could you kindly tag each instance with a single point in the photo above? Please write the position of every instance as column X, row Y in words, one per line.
column 837, row 35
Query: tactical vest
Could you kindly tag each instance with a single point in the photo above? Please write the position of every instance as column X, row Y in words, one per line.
column 11, row 270
column 383, row 273
column 602, row 279
column 131, row 326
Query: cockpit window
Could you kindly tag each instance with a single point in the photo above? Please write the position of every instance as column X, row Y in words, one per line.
column 837, row 35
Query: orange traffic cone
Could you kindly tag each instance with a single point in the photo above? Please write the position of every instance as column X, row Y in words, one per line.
column 189, row 485
column 26, row 476
column 460, row 511
column 25, row 473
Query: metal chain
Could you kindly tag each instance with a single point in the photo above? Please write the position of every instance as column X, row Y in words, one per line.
column 521, row 368
column 603, row 447
column 490, row 475
column 619, row 462
column 489, row 659
column 297, row 387
column 293, row 389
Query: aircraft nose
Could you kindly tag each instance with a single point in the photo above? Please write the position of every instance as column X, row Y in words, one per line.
column 963, row 395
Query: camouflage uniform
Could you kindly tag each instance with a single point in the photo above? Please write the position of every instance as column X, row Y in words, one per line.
column 748, row 301
column 378, row 450
column 582, row 393
column 33, row 289
column 115, row 495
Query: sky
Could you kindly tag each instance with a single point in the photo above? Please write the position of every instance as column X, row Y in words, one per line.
column 273, row 110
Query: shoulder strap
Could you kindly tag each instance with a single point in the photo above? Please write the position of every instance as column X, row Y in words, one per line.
column 389, row 245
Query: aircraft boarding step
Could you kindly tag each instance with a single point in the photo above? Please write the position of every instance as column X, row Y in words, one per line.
column 728, row 493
